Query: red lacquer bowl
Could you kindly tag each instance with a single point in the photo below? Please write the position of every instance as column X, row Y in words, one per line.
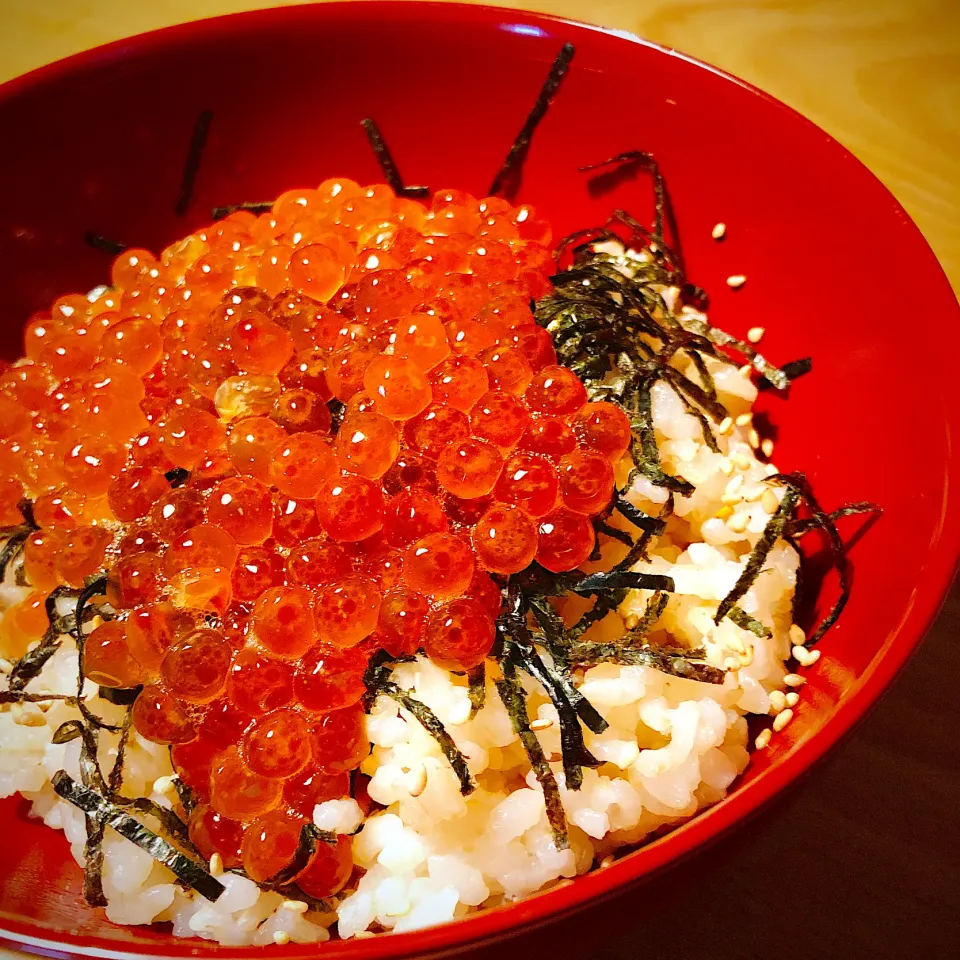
column 836, row 270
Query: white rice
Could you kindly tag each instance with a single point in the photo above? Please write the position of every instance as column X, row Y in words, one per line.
column 673, row 746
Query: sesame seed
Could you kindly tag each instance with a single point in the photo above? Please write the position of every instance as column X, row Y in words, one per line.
column 719, row 231
column 763, row 738
column 755, row 334
column 726, row 425
column 782, row 719
column 163, row 785
column 796, row 634
column 812, row 657
column 800, row 654
column 744, row 419
column 778, row 700
column 738, row 523
column 281, row 937
column 216, row 865
column 726, row 466
column 542, row 723
column 754, row 438
column 769, row 502
column 754, row 493
column 606, row 862
column 724, row 512
column 418, row 781
column 745, row 370
column 794, row 680
column 295, row 906
column 734, row 485
column 736, row 644
column 770, row 470
column 793, row 698
column 767, row 447
column 736, row 281
column 631, row 620
column 741, row 460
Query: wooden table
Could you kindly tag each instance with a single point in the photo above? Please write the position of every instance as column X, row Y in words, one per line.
column 863, row 858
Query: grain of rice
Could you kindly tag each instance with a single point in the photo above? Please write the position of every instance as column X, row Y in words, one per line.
column 769, row 502
column 766, row 447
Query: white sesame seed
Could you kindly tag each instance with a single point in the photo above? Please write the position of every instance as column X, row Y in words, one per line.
column 216, row 865
column 754, row 438
column 418, row 782
column 755, row 334
column 738, row 523
column 726, row 425
column 770, row 469
column 778, row 700
column 544, row 723
column 769, row 502
column 796, row 634
column 794, row 680
column 726, row 466
column 736, row 281
column 741, row 460
column 163, row 785
column 606, row 862
column 800, row 654
column 793, row 698
column 763, row 738
column 736, row 644
column 734, row 484
column 295, row 906
column 744, row 419
column 782, row 719
column 767, row 447
column 631, row 620
column 745, row 370
column 281, row 937
column 719, row 231
column 812, row 657
column 754, row 493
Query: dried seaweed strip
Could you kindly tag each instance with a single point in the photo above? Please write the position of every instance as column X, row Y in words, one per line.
column 191, row 164
column 477, row 680
column 387, row 164
column 188, row 799
column 428, row 720
column 108, row 814
column 574, row 752
column 758, row 556
column 19, row 696
column 31, row 663
column 792, row 370
column 646, row 453
column 93, row 239
column 310, row 836
column 617, row 579
column 797, row 528
column 652, row 612
column 120, row 696
column 797, row 485
column 672, row 662
column 12, row 549
column 743, row 620
column 515, row 702
column 507, row 180
column 648, row 524
column 115, row 778
column 605, row 603
column 250, row 206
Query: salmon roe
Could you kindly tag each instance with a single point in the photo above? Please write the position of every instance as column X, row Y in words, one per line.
column 293, row 440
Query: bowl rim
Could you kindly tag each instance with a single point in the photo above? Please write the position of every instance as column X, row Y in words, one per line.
column 710, row 824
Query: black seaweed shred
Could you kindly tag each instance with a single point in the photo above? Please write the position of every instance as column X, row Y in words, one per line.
column 794, row 370
column 477, row 680
column 93, row 239
column 673, row 662
column 515, row 702
column 250, row 206
column 758, row 556
column 310, row 836
column 387, row 164
column 743, row 620
column 507, row 180
column 104, row 814
column 191, row 165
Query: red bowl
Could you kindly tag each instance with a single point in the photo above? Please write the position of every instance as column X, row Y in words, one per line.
column 836, row 271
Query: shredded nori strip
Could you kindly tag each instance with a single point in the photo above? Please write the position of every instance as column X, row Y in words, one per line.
column 18, row 696
column 792, row 370
column 177, row 477
column 796, row 484
column 771, row 533
column 387, row 164
column 192, row 163
column 251, row 206
column 31, row 663
column 651, row 614
column 310, row 836
column 188, row 799
column 428, row 720
column 515, row 701
column 507, row 180
column 477, row 679
column 98, row 242
column 619, row 579
column 797, row 528
column 675, row 663
column 108, row 814
column 743, row 620
column 12, row 549
column 121, row 697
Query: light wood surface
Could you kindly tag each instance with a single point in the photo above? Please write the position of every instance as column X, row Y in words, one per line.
column 861, row 859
